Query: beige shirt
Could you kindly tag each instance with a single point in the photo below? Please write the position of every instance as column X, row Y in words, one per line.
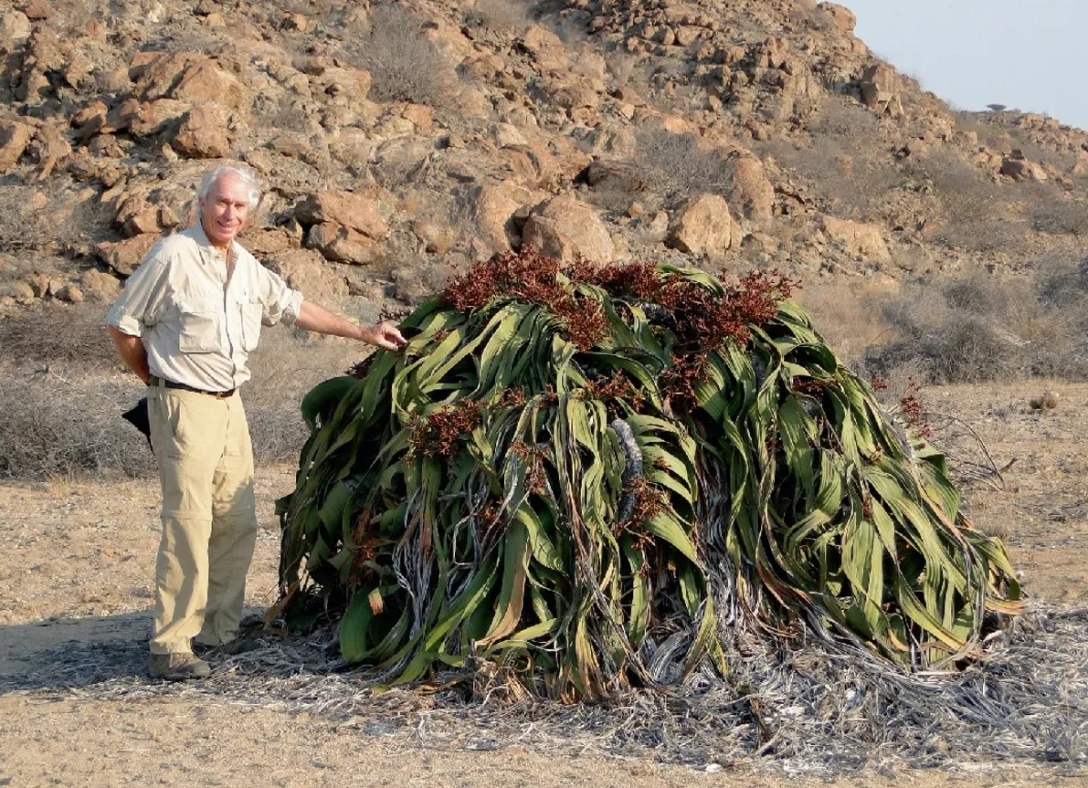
column 197, row 327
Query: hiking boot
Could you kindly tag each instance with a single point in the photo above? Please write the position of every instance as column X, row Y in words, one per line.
column 178, row 667
column 230, row 648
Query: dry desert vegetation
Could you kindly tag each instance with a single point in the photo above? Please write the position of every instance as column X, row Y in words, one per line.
column 399, row 142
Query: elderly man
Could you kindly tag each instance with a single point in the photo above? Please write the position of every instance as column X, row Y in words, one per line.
column 185, row 323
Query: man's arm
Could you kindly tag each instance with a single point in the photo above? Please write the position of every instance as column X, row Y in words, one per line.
column 132, row 351
column 320, row 320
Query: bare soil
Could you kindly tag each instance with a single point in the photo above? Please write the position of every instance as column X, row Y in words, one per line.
column 79, row 557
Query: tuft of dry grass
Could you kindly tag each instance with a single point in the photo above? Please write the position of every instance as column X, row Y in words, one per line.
column 63, row 389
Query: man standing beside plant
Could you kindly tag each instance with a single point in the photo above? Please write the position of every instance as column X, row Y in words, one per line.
column 185, row 324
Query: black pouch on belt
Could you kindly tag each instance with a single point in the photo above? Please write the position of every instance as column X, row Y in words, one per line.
column 137, row 417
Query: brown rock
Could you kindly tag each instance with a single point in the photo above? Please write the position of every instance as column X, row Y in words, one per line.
column 38, row 10
column 862, row 241
column 532, row 165
column 880, row 89
column 490, row 211
column 115, row 80
column 342, row 244
column 14, row 138
column 91, row 118
column 21, row 291
column 293, row 21
column 77, row 72
column 773, row 53
column 267, row 241
column 1018, row 168
column 124, row 256
column 306, row 270
column 188, row 77
column 99, row 286
column 347, row 209
column 14, row 30
column 844, row 19
column 154, row 117
column 117, row 119
column 437, row 237
column 45, row 284
column 49, row 147
column 752, row 193
column 70, row 293
column 203, row 133
column 143, row 222
column 353, row 84
column 703, row 226
column 546, row 48
column 565, row 228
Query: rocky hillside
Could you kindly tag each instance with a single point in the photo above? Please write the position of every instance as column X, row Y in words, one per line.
column 400, row 141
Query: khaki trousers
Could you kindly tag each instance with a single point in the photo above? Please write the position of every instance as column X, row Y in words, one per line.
column 209, row 519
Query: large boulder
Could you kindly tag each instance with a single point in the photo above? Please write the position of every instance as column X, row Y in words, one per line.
column 845, row 19
column 14, row 30
column 1017, row 167
column 860, row 241
column 703, row 227
column 203, row 133
column 490, row 213
column 188, row 77
column 354, row 211
column 306, row 270
column 125, row 256
column 342, row 244
column 546, row 50
column 751, row 193
column 14, row 138
column 99, row 286
column 566, row 228
column 879, row 86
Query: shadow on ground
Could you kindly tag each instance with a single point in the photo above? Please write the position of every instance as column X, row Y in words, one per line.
column 73, row 652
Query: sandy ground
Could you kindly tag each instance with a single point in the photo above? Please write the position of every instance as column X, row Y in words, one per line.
column 78, row 558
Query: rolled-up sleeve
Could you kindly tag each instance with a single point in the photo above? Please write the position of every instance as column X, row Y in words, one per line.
column 142, row 299
column 280, row 304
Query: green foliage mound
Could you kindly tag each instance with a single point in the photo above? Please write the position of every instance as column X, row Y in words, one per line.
column 595, row 477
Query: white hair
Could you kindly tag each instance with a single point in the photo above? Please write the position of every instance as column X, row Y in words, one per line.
column 248, row 179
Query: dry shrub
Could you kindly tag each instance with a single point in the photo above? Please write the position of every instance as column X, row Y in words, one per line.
column 54, row 425
column 73, row 336
column 976, row 213
column 404, row 63
column 980, row 328
column 500, row 15
column 61, row 405
column 676, row 165
column 1056, row 213
column 48, row 215
column 848, row 314
column 845, row 160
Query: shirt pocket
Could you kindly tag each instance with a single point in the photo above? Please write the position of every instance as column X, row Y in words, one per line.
column 252, row 311
column 200, row 325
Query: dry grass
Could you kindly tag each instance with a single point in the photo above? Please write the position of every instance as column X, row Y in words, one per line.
column 803, row 707
column 848, row 313
column 404, row 63
column 984, row 327
column 677, row 166
column 63, row 389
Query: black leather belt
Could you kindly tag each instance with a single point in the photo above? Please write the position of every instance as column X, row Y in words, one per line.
column 169, row 384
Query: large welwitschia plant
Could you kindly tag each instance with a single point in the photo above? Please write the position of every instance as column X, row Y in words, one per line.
column 597, row 476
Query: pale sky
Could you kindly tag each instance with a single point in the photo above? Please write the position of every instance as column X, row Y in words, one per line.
column 1031, row 55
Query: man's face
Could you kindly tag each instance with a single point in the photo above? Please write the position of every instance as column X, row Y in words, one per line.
column 224, row 210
